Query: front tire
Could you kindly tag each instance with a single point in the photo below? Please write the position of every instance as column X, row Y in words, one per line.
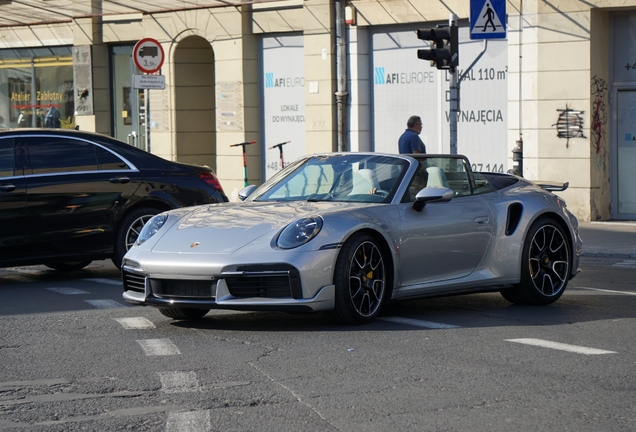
column 183, row 313
column 360, row 280
column 545, row 265
column 129, row 230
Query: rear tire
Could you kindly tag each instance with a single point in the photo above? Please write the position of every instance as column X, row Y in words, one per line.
column 183, row 313
column 545, row 265
column 360, row 280
column 68, row 265
column 129, row 230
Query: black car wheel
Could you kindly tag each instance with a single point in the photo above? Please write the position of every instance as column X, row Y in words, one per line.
column 183, row 313
column 360, row 280
column 68, row 265
column 129, row 230
column 545, row 268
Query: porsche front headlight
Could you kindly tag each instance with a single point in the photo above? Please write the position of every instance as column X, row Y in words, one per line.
column 151, row 227
column 299, row 232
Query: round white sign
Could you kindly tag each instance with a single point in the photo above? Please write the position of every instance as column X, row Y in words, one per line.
column 148, row 55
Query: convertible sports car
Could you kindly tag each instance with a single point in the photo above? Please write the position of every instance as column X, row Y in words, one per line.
column 348, row 232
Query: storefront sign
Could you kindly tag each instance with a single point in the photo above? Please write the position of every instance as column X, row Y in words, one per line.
column 404, row 86
column 284, row 101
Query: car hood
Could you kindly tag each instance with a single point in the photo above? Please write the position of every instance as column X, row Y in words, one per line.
column 226, row 228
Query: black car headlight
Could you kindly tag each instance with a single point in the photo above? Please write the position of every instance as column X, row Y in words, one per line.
column 151, row 227
column 299, row 232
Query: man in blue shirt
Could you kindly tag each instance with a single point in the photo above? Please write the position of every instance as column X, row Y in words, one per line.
column 410, row 141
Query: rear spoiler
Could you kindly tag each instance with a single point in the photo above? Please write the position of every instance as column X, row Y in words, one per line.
column 554, row 187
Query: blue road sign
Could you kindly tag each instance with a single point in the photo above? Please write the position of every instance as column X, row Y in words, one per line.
column 487, row 19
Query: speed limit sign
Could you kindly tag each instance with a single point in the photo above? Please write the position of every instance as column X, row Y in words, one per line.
column 148, row 55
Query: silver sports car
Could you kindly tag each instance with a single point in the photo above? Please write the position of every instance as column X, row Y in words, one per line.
column 346, row 233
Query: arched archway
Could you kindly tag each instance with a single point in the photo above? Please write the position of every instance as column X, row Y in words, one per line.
column 195, row 102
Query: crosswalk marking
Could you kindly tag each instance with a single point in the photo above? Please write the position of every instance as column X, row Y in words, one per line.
column 561, row 346
column 104, row 281
column 135, row 323
column 158, row 347
column 179, row 382
column 68, row 291
column 104, row 304
column 419, row 323
column 192, row 421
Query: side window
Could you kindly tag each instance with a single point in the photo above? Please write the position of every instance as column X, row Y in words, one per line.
column 109, row 162
column 7, row 158
column 48, row 155
column 458, row 177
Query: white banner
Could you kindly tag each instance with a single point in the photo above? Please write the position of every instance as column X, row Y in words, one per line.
column 404, row 85
column 284, row 101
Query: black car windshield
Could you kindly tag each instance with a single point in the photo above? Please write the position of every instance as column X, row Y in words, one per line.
column 342, row 177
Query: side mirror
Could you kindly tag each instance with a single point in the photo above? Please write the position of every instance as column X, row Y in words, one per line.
column 432, row 194
column 246, row 191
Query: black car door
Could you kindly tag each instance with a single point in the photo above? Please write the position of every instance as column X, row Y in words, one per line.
column 12, row 201
column 75, row 190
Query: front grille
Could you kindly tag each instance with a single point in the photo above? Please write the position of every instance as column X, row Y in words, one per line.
column 265, row 280
column 133, row 282
column 259, row 286
column 182, row 288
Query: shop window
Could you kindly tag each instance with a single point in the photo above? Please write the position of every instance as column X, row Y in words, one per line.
column 36, row 87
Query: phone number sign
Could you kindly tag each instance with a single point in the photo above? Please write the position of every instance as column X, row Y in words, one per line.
column 148, row 55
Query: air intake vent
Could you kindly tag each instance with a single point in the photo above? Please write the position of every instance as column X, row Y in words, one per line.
column 514, row 217
column 134, row 282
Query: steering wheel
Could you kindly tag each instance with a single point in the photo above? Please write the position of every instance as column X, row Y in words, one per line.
column 383, row 193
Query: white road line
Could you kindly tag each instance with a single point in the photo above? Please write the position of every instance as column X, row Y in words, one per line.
column 68, row 291
column 179, row 382
column 158, row 347
column 192, row 421
column 607, row 291
column 104, row 304
column 561, row 346
column 135, row 323
column 105, row 281
column 627, row 264
column 419, row 323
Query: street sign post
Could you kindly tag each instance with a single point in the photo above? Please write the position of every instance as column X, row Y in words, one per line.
column 487, row 19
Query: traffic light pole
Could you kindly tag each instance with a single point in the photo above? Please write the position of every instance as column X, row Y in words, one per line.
column 454, row 91
column 454, row 97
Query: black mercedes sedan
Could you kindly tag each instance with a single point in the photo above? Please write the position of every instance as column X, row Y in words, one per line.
column 70, row 197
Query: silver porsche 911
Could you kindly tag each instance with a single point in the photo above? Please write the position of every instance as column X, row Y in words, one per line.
column 346, row 233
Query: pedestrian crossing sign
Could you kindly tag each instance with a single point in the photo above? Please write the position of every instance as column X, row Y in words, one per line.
column 487, row 19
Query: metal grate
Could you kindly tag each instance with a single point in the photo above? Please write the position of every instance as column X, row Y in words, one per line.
column 182, row 288
column 134, row 282
column 260, row 286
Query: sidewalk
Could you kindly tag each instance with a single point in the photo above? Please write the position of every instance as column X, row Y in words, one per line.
column 608, row 239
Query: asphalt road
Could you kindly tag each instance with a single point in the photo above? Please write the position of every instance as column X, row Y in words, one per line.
column 74, row 356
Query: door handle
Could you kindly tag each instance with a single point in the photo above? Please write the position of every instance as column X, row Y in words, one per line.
column 120, row 180
column 7, row 188
column 481, row 219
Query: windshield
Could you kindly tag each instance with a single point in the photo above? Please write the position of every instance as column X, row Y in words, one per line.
column 347, row 178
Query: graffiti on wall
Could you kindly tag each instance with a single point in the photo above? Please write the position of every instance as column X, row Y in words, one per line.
column 599, row 112
column 570, row 124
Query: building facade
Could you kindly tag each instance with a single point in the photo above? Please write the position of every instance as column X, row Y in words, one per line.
column 252, row 85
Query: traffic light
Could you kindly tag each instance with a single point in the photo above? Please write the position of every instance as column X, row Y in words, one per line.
column 443, row 53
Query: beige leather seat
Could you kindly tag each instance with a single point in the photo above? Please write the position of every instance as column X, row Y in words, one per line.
column 364, row 181
column 436, row 177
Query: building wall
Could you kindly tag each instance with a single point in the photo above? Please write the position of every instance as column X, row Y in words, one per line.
column 558, row 57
